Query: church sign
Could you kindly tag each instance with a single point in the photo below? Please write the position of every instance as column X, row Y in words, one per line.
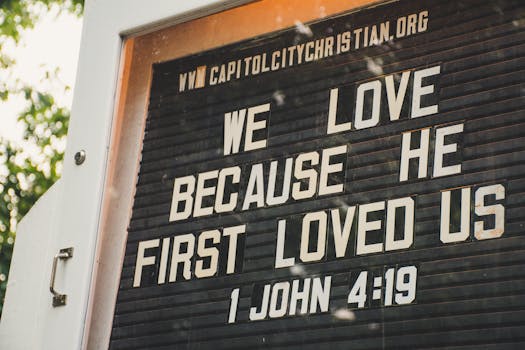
column 354, row 182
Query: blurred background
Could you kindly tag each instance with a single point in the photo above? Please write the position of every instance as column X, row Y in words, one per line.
column 39, row 44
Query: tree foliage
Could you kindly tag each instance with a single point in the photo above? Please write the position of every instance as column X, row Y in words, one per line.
column 29, row 168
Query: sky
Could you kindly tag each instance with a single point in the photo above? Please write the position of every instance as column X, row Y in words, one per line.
column 53, row 43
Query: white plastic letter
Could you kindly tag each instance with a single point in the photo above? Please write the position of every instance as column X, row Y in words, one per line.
column 463, row 233
column 143, row 260
column 418, row 91
column 361, row 123
column 252, row 125
column 420, row 153
column 185, row 197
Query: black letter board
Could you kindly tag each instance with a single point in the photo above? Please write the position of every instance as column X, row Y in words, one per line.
column 353, row 183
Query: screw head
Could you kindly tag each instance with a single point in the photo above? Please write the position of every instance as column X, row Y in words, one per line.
column 80, row 157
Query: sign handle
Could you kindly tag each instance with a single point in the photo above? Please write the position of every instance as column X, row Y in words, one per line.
column 58, row 298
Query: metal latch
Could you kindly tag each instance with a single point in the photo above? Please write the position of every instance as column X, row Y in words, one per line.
column 63, row 254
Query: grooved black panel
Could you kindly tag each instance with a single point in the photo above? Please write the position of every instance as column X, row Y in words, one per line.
column 469, row 294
